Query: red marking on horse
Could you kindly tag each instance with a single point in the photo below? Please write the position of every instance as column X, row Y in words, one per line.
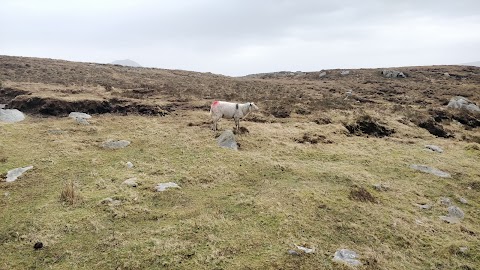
column 215, row 103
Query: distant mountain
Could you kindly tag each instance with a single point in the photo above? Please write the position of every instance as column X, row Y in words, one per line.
column 477, row 64
column 126, row 62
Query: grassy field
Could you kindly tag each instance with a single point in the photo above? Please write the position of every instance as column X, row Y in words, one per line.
column 236, row 209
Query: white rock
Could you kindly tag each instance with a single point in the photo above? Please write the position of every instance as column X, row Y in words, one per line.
column 463, row 200
column 306, row 250
column 129, row 165
column 164, row 186
column 131, row 182
column 11, row 116
column 347, row 256
column 79, row 115
column 82, row 121
column 424, row 206
column 12, row 175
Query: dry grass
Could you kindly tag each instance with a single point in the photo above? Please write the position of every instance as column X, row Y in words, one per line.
column 70, row 195
column 235, row 209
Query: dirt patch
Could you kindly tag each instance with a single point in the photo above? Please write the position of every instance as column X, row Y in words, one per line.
column 200, row 124
column 312, row 139
column 322, row 121
column 466, row 118
column 240, row 131
column 7, row 94
column 366, row 125
column 59, row 107
column 280, row 112
column 434, row 128
column 474, row 185
column 362, row 195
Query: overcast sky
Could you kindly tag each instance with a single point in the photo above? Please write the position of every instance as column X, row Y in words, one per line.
column 239, row 37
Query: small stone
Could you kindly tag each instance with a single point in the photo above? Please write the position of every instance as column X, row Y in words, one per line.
column 446, row 74
column 293, row 252
column 164, row 186
column 463, row 249
column 446, row 201
column 424, row 206
column 381, row 187
column 115, row 144
column 345, row 72
column 82, row 121
column 12, row 175
column 110, row 201
column 431, row 170
column 305, row 249
column 227, row 140
column 129, row 165
column 347, row 256
column 7, row 194
column 131, row 182
column 463, row 200
column 38, row 245
column 434, row 148
column 79, row 115
column 322, row 74
column 455, row 214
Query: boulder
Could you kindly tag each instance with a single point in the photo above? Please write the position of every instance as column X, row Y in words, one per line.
column 227, row 140
column 462, row 103
column 11, row 116
column 79, row 115
column 393, row 74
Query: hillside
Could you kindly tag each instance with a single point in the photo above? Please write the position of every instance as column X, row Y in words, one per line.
column 325, row 164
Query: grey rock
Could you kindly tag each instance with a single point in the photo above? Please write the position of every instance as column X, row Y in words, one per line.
column 129, row 165
column 455, row 215
column 463, row 200
column 393, row 74
column 79, row 115
column 164, row 186
column 347, row 256
column 462, row 103
column 131, row 182
column 82, row 121
column 11, row 115
column 305, row 249
column 227, row 140
column 115, row 144
column 344, row 72
column 2, row 106
column 293, row 252
column 446, row 201
column 12, row 175
column 463, row 249
column 427, row 169
column 446, row 74
column 381, row 187
column 434, row 148
column 322, row 74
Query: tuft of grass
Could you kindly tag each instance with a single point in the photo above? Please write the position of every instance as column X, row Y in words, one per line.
column 69, row 194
